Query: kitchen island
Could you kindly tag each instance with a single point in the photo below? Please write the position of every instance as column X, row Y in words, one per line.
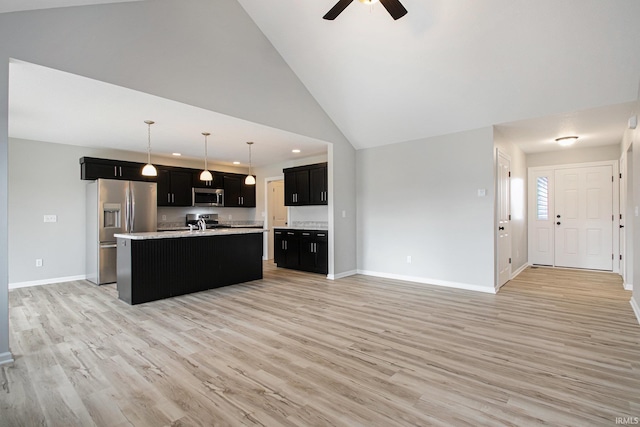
column 157, row 265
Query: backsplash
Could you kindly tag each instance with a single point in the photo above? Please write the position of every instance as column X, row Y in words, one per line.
column 311, row 225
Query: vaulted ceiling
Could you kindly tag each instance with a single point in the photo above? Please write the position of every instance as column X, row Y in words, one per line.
column 533, row 68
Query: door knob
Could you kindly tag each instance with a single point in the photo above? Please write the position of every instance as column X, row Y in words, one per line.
column 558, row 222
column 621, row 226
column 557, row 216
column 500, row 228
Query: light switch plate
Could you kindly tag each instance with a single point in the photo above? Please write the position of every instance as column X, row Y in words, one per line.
column 50, row 218
column 482, row 192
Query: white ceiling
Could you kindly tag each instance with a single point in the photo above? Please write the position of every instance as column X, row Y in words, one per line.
column 54, row 106
column 18, row 5
column 537, row 69
column 454, row 65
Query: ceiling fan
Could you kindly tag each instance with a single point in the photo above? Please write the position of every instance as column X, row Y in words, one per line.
column 394, row 7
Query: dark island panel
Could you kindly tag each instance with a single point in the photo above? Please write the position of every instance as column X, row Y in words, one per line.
column 153, row 269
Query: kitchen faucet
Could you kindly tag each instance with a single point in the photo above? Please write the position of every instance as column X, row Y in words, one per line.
column 202, row 224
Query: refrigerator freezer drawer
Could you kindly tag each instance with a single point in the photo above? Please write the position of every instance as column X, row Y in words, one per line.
column 107, row 269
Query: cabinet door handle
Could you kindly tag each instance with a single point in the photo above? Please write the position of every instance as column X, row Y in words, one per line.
column 173, row 198
column 120, row 167
column 115, row 171
column 168, row 197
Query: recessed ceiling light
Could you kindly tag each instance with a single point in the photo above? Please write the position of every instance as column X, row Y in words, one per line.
column 565, row 141
column 236, row 163
column 177, row 154
column 295, row 151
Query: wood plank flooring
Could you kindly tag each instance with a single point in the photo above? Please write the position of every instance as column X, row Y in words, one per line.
column 554, row 347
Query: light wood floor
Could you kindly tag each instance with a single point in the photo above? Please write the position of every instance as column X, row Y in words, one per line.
column 554, row 347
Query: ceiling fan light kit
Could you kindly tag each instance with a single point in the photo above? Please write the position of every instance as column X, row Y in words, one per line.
column 394, row 7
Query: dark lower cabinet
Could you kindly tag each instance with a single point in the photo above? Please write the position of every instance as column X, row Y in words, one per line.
column 306, row 250
column 154, row 269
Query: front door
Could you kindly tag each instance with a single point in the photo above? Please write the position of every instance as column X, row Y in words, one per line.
column 584, row 217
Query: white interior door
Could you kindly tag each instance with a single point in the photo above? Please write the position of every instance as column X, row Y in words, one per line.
column 278, row 213
column 623, row 201
column 584, row 217
column 504, row 218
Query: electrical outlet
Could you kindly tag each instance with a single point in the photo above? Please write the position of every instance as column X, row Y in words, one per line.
column 408, row 259
column 229, row 217
column 164, row 217
column 50, row 218
column 39, row 262
column 344, row 214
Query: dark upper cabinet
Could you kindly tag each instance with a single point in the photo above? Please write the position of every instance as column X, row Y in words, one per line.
column 216, row 183
column 318, row 185
column 296, row 187
column 236, row 193
column 306, row 185
column 174, row 183
column 92, row 168
column 174, row 187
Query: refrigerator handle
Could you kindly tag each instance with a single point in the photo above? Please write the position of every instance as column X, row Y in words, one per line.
column 133, row 209
column 127, row 210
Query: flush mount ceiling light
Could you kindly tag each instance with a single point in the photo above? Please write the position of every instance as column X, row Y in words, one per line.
column 394, row 7
column 566, row 141
column 206, row 175
column 149, row 169
column 250, row 179
column 295, row 150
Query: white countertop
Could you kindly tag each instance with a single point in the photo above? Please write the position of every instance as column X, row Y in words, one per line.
column 186, row 233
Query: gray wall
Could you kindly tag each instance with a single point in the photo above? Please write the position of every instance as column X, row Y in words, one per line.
column 519, row 232
column 57, row 189
column 420, row 199
column 159, row 47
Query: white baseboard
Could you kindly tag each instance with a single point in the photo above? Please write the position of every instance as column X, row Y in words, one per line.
column 427, row 281
column 636, row 308
column 17, row 285
column 342, row 275
column 628, row 286
column 6, row 358
column 518, row 271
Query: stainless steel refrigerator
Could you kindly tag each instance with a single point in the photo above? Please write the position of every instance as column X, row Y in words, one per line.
column 113, row 207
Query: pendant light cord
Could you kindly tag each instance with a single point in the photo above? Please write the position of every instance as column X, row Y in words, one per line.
column 149, row 143
column 205, row 153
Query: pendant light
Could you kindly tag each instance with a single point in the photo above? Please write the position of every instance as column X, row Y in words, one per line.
column 206, row 175
column 250, row 179
column 149, row 169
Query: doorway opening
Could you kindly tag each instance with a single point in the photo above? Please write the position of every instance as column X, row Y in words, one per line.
column 277, row 214
column 573, row 216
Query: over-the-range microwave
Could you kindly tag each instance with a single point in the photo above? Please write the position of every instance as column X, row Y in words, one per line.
column 208, row 197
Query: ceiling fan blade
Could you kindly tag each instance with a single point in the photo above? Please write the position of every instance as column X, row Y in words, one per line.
column 337, row 9
column 395, row 8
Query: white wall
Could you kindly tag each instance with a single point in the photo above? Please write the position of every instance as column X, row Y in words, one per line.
column 420, row 199
column 519, row 237
column 632, row 141
column 157, row 47
column 574, row 154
